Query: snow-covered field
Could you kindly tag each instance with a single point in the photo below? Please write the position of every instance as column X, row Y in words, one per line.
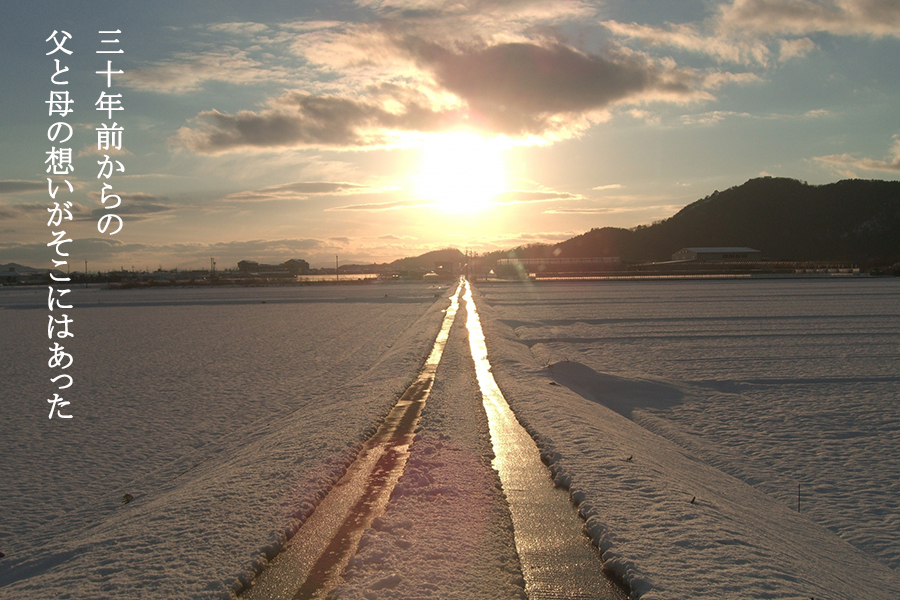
column 648, row 395
column 227, row 413
column 224, row 412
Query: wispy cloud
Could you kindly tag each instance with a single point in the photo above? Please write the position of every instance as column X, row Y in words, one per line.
column 19, row 186
column 137, row 206
column 690, row 38
column 796, row 48
column 382, row 206
column 615, row 210
column 756, row 32
column 35, row 211
column 845, row 163
column 717, row 116
column 301, row 190
column 190, row 71
column 523, row 196
column 876, row 18
column 713, row 117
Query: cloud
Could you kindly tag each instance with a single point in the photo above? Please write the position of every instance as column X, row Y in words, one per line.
column 717, row 116
column 713, row 117
column 615, row 210
column 844, row 162
column 34, row 208
column 875, row 18
column 300, row 190
column 491, row 10
column 15, row 211
column 521, row 88
column 797, row 48
column 298, row 120
column 380, row 206
column 93, row 150
column 723, row 48
column 717, row 79
column 751, row 32
column 399, row 238
column 579, row 211
column 138, row 206
column 18, row 186
column 189, row 71
column 522, row 196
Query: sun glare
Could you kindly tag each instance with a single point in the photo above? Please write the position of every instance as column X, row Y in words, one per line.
column 461, row 171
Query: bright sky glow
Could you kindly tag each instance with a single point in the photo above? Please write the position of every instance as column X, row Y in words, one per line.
column 461, row 172
column 304, row 130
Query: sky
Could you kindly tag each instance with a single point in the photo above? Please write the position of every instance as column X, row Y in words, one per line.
column 373, row 130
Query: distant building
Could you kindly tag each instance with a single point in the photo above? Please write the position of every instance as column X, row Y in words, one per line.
column 522, row 267
column 717, row 254
column 296, row 266
column 12, row 276
column 445, row 270
column 293, row 266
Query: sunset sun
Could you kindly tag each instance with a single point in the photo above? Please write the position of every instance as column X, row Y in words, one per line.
column 460, row 171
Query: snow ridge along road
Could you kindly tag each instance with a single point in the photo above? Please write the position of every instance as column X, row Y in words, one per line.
column 312, row 562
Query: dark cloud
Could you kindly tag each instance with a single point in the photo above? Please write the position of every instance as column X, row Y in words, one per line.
column 92, row 249
column 516, row 87
column 137, row 205
column 15, row 186
column 305, row 120
column 36, row 210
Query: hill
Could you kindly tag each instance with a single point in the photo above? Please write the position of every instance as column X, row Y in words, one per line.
column 854, row 221
column 427, row 260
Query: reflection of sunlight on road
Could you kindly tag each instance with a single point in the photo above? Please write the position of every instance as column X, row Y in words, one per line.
column 558, row 560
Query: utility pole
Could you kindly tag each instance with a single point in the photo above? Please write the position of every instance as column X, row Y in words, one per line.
column 337, row 275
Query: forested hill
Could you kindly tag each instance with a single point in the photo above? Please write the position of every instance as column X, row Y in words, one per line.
column 853, row 220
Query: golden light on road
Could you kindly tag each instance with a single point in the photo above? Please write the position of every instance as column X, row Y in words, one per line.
column 461, row 171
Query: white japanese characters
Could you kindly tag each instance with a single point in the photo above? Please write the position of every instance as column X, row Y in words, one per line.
column 59, row 162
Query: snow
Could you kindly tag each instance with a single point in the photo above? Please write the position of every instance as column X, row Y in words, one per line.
column 225, row 417
column 447, row 533
column 681, row 416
